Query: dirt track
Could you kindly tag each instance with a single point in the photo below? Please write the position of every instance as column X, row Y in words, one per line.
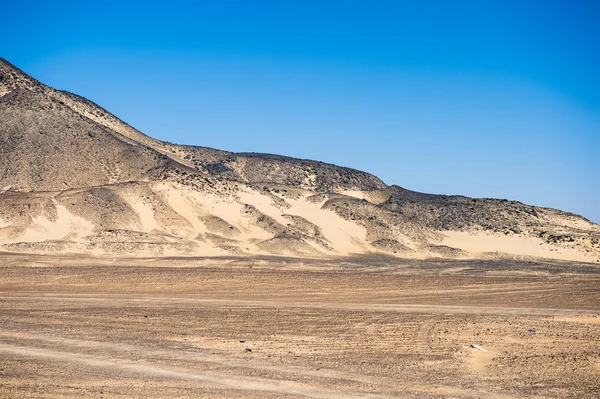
column 120, row 332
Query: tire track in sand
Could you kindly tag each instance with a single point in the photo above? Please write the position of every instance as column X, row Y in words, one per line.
column 352, row 306
column 235, row 382
column 425, row 331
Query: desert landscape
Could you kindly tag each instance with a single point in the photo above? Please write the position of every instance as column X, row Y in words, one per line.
column 133, row 267
column 352, row 328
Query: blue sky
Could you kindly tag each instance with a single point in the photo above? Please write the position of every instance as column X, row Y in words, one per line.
column 481, row 98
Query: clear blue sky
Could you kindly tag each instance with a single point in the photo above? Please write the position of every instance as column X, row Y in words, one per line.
column 482, row 98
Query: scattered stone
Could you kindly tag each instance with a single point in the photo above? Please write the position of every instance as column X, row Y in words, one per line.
column 478, row 347
column 6, row 189
column 91, row 134
column 532, row 331
column 248, row 350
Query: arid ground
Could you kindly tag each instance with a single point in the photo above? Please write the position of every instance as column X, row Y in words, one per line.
column 270, row 328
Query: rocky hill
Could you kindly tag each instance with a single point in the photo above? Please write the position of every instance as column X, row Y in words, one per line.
column 75, row 178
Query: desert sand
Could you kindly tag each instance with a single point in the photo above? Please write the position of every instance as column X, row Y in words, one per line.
column 78, row 327
column 482, row 244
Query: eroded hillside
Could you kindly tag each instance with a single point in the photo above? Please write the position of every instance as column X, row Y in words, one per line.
column 75, row 178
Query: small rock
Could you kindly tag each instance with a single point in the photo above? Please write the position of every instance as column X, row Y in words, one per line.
column 478, row 347
column 532, row 331
column 248, row 350
column 91, row 134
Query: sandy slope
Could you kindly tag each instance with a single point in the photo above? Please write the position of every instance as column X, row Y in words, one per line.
column 169, row 218
column 482, row 245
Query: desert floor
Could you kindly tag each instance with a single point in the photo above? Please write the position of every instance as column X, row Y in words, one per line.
column 271, row 328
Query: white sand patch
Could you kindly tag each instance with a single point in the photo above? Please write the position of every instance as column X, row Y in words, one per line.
column 346, row 237
column 317, row 247
column 184, row 202
column 264, row 204
column 193, row 205
column 514, row 245
column 145, row 213
column 67, row 226
column 232, row 212
column 4, row 224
